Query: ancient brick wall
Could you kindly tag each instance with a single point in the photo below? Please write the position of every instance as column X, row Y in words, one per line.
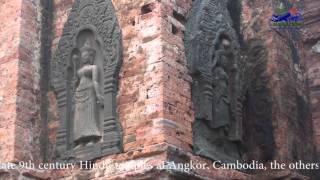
column 311, row 39
column 20, row 78
column 136, row 109
column 9, row 72
column 154, row 100
column 288, row 81
column 141, row 90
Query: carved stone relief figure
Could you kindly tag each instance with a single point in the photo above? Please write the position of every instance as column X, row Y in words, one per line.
column 217, row 129
column 230, row 85
column 221, row 98
column 226, row 89
column 214, row 62
column 85, row 72
column 87, row 98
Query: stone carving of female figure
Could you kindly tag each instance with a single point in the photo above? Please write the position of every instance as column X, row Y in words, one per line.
column 221, row 88
column 87, row 99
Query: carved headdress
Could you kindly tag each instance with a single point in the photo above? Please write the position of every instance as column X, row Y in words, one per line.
column 220, row 37
column 87, row 46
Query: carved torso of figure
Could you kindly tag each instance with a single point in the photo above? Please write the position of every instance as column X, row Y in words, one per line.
column 221, row 98
column 221, row 88
column 85, row 75
column 87, row 98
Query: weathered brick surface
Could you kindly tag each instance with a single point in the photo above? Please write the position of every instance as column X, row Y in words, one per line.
column 140, row 91
column 311, row 36
column 178, row 112
column 10, row 31
column 27, row 132
column 154, row 100
column 286, row 67
column 19, row 87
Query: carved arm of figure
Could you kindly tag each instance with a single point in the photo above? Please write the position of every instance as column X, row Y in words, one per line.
column 95, row 75
column 75, row 78
column 216, row 58
column 235, row 73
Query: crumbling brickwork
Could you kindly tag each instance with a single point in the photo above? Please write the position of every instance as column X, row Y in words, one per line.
column 9, row 72
column 288, row 81
column 311, row 38
column 20, row 88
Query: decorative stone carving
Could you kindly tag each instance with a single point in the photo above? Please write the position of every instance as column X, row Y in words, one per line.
column 218, row 89
column 85, row 73
column 87, row 97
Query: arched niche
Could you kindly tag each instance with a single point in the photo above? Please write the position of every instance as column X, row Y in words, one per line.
column 84, row 75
